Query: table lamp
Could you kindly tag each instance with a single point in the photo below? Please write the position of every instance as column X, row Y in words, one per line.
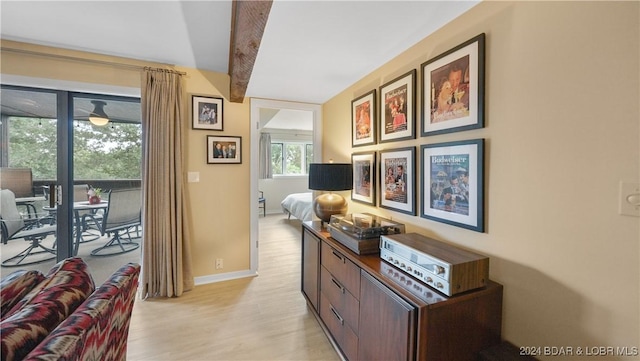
column 330, row 177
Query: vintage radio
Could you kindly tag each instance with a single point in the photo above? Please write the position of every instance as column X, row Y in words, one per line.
column 444, row 267
column 360, row 232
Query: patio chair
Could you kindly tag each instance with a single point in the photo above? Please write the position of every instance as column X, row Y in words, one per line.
column 15, row 227
column 17, row 180
column 20, row 182
column 262, row 203
column 123, row 215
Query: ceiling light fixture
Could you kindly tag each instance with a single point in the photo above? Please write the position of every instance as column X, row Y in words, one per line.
column 98, row 116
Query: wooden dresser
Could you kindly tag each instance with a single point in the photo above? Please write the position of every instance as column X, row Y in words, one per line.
column 371, row 311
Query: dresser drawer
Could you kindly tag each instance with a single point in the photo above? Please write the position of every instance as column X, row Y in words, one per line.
column 341, row 299
column 345, row 271
column 344, row 336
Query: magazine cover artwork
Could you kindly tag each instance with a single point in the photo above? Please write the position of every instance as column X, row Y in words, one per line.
column 450, row 183
column 397, row 108
column 395, row 180
column 395, row 115
column 450, row 91
column 364, row 173
column 362, row 178
column 363, row 119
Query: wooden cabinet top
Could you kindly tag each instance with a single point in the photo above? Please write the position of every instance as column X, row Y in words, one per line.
column 410, row 288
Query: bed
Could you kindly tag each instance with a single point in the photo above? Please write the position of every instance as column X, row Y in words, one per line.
column 298, row 205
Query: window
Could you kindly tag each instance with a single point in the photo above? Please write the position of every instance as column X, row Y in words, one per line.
column 289, row 158
column 110, row 152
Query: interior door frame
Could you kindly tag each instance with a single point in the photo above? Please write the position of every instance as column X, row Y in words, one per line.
column 256, row 105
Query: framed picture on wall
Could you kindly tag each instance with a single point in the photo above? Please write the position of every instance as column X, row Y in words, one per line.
column 364, row 175
column 452, row 185
column 363, row 119
column 207, row 112
column 397, row 180
column 397, row 108
column 453, row 89
column 224, row 149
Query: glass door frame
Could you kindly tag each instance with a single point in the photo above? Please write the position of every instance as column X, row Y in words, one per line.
column 64, row 160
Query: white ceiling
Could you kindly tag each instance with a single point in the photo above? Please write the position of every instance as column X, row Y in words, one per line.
column 310, row 51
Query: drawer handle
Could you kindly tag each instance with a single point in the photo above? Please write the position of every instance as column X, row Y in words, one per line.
column 335, row 313
column 337, row 284
column 338, row 255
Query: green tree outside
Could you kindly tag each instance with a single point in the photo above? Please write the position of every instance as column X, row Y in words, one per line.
column 107, row 152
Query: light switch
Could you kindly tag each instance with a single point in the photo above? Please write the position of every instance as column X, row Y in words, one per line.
column 193, row 177
column 630, row 199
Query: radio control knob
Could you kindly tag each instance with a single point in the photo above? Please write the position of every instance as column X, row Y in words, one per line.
column 396, row 262
column 390, row 259
column 409, row 269
column 439, row 285
column 429, row 280
column 438, row 270
column 402, row 265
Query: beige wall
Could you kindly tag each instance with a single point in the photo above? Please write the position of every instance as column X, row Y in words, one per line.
column 219, row 203
column 562, row 130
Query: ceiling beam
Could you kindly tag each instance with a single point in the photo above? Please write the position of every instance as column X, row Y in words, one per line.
column 248, row 21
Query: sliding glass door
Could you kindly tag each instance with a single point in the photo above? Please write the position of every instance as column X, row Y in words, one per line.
column 48, row 134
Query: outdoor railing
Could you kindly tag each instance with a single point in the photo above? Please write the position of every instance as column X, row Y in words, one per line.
column 104, row 184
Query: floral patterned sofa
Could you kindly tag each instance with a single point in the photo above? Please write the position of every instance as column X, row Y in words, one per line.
column 62, row 316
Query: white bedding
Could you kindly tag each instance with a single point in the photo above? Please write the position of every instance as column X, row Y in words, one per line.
column 298, row 205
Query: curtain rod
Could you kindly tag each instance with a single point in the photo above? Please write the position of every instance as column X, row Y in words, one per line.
column 93, row 61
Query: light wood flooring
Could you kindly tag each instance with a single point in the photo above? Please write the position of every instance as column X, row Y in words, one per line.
column 259, row 318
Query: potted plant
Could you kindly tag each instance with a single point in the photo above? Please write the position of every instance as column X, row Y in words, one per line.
column 95, row 195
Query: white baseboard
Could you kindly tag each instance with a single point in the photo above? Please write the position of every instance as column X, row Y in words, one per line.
column 203, row 280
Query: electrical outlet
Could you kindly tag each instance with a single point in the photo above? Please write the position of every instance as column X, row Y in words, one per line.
column 219, row 263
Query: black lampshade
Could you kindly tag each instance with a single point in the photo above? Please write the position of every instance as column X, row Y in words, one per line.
column 330, row 176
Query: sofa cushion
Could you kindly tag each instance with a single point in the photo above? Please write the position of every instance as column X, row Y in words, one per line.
column 15, row 286
column 99, row 328
column 66, row 286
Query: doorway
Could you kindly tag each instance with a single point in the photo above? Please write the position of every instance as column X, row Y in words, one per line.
column 262, row 106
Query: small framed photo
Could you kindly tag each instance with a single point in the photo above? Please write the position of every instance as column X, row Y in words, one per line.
column 207, row 112
column 452, row 183
column 397, row 180
column 224, row 149
column 397, row 108
column 364, row 175
column 363, row 119
column 453, row 89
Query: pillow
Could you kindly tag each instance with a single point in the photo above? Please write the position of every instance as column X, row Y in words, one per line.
column 105, row 315
column 66, row 286
column 14, row 287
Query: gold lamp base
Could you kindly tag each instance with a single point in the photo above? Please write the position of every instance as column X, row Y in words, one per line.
column 328, row 204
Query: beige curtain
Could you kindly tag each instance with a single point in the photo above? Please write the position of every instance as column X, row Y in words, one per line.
column 264, row 157
column 166, row 253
